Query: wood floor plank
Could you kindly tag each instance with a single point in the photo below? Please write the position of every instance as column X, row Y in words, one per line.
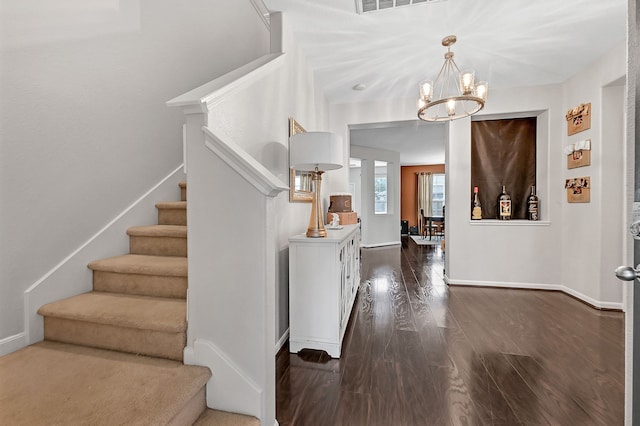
column 356, row 374
column 607, row 325
column 515, row 390
column 557, row 338
column 454, row 396
column 418, row 352
column 285, row 403
column 354, row 409
column 550, row 392
column 400, row 305
column 314, row 394
column 425, row 404
column 490, row 404
column 478, row 320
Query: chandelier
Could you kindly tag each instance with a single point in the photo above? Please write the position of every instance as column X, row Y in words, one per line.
column 456, row 93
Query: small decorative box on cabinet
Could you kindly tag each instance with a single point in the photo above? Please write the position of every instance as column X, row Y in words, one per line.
column 324, row 275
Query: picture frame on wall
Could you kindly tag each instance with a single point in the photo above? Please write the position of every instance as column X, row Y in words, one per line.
column 578, row 119
column 300, row 183
column 578, row 189
column 580, row 158
column 578, row 154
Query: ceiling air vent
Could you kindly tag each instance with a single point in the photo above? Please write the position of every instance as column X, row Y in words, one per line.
column 366, row 6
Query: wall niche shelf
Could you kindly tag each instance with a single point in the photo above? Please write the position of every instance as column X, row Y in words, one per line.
column 512, row 222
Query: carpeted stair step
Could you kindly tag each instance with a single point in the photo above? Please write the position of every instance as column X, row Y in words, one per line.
column 183, row 190
column 159, row 276
column 152, row 326
column 52, row 383
column 158, row 240
column 223, row 418
column 172, row 212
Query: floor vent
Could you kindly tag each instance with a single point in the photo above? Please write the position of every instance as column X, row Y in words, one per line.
column 366, row 6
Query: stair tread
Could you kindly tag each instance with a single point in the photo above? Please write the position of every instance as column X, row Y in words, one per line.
column 177, row 205
column 174, row 231
column 224, row 418
column 140, row 312
column 143, row 265
column 58, row 383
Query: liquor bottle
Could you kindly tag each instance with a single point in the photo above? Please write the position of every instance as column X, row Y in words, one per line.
column 504, row 205
column 476, row 208
column 533, row 205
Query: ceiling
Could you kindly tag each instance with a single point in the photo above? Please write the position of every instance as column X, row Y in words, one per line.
column 418, row 142
column 510, row 43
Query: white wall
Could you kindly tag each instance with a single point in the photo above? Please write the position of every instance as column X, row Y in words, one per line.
column 345, row 115
column 378, row 229
column 593, row 232
column 515, row 253
column 85, row 130
column 306, row 103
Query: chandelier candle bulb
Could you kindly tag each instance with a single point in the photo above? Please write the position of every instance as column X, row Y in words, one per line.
column 426, row 91
column 481, row 90
column 466, row 81
column 451, row 107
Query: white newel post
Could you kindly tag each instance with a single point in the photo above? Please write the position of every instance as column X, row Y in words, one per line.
column 232, row 253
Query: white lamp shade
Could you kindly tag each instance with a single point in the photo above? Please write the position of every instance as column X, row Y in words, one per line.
column 309, row 150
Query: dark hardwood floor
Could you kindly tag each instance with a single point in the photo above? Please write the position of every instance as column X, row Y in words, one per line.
column 418, row 352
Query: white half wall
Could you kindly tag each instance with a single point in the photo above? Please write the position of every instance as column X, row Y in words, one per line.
column 232, row 280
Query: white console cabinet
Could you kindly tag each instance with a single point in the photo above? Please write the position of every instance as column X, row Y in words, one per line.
column 324, row 275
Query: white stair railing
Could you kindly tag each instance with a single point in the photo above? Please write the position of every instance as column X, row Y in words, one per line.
column 232, row 246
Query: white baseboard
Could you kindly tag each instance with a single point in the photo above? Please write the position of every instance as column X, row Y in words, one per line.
column 537, row 286
column 597, row 303
column 390, row 243
column 229, row 389
column 282, row 340
column 13, row 343
column 475, row 283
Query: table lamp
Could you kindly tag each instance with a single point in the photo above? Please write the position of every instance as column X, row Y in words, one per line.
column 316, row 152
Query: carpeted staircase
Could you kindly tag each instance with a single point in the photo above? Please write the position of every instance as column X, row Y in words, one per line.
column 114, row 355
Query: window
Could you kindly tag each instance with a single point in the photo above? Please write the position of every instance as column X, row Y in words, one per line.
column 380, row 187
column 438, row 198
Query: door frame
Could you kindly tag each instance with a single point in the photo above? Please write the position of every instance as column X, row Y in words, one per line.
column 632, row 317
